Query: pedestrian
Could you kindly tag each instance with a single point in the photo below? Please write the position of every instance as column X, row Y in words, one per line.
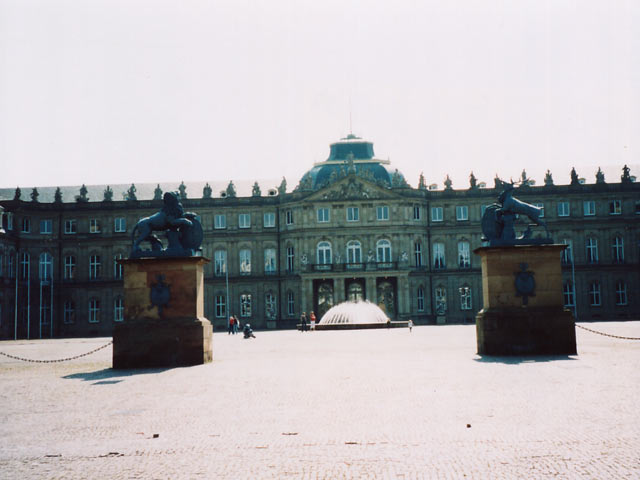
column 410, row 324
column 312, row 317
column 231, row 322
column 236, row 325
column 303, row 322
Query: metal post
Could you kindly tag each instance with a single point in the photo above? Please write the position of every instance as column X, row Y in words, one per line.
column 226, row 274
column 51, row 304
column 29, row 299
column 40, row 309
column 15, row 312
column 573, row 281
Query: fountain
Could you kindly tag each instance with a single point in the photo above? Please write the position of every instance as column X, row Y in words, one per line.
column 352, row 315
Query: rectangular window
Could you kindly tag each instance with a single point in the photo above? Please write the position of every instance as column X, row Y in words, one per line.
column 245, row 305
column 69, row 315
column 291, row 306
column 26, row 225
column 245, row 262
column 417, row 212
column 621, row 293
column 441, row 300
column 94, row 267
column 9, row 216
column 464, row 255
column 465, row 298
column 70, row 227
column 438, row 256
column 420, row 299
column 589, row 208
column 568, row 294
column 417, row 253
column 46, row 227
column 118, row 268
column 244, row 220
column 220, row 221
column 353, row 214
column 322, row 215
column 118, row 309
column 592, row 250
column 615, row 207
column 541, row 207
column 220, row 263
column 69, row 267
column 290, row 259
column 594, row 294
column 94, row 310
column 563, row 209
column 462, row 213
column 436, row 214
column 567, row 253
column 289, row 217
column 94, row 225
column 269, row 220
column 221, row 306
column 120, row 224
column 270, row 261
column 382, row 212
column 618, row 250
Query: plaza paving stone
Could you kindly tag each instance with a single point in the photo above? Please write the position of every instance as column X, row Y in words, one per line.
column 371, row 404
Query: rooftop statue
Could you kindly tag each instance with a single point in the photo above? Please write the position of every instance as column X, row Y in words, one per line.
column 499, row 218
column 182, row 229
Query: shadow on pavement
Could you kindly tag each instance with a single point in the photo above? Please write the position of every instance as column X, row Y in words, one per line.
column 108, row 376
column 525, row 359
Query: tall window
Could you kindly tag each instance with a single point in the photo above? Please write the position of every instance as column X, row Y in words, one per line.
column 118, row 268
column 417, row 253
column 70, row 227
column 594, row 294
column 94, row 310
column 567, row 253
column 441, row 300
column 290, row 258
column 244, row 220
column 322, row 214
column 465, row 298
column 45, row 311
column 615, row 207
column 221, row 306
column 270, row 260
column 220, row 221
column 245, row 261
column 270, row 310
column 1, row 267
column 354, row 252
column 289, row 217
column 291, row 306
column 46, row 226
column 119, row 224
column 618, row 250
column 462, row 213
column 589, row 208
column 118, row 309
column 383, row 251
column 69, row 312
column 24, row 265
column 245, row 305
column 541, row 207
column 464, row 255
column 417, row 212
column 269, row 220
column 592, row 250
column 220, row 263
column 436, row 214
column 46, row 266
column 621, row 293
column 438, row 256
column 353, row 214
column 382, row 212
column 94, row 225
column 420, row 299
column 324, row 253
column 11, row 271
column 568, row 294
column 94, row 267
column 563, row 209
column 69, row 267
column 26, row 225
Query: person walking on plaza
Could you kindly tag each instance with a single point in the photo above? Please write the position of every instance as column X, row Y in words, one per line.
column 312, row 317
column 236, row 325
column 231, row 322
column 303, row 322
column 410, row 325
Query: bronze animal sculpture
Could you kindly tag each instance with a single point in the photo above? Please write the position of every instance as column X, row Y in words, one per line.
column 183, row 231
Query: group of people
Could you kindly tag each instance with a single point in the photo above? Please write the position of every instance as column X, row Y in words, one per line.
column 234, row 325
column 304, row 322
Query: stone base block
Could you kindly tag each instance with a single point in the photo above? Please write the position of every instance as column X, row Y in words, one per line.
column 157, row 343
column 526, row 331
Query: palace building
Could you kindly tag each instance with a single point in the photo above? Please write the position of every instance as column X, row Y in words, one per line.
column 351, row 229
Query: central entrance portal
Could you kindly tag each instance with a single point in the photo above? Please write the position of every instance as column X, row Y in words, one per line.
column 355, row 290
column 323, row 296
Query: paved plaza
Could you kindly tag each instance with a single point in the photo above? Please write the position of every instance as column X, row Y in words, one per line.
column 374, row 404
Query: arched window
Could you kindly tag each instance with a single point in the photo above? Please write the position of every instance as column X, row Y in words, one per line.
column 69, row 267
column 24, row 265
column 464, row 254
column 383, row 251
column 269, row 260
column 45, row 269
column 324, row 253
column 220, row 263
column 438, row 256
column 245, row 261
column 290, row 258
column 354, row 252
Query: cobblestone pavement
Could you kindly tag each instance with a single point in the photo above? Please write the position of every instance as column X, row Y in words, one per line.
column 376, row 404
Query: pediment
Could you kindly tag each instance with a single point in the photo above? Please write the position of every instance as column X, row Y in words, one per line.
column 352, row 188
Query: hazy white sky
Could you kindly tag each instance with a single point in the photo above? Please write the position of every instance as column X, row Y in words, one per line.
column 148, row 91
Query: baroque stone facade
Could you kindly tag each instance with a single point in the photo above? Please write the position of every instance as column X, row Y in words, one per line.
column 351, row 229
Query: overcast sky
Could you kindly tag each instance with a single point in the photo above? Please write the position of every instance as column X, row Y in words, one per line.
column 147, row 91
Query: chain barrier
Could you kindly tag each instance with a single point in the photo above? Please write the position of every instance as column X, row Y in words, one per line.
column 607, row 334
column 56, row 361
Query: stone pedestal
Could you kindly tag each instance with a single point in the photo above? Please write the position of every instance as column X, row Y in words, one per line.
column 523, row 310
column 164, row 323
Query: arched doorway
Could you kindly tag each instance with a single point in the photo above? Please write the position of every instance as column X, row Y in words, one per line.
column 354, row 289
column 387, row 297
column 323, row 297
